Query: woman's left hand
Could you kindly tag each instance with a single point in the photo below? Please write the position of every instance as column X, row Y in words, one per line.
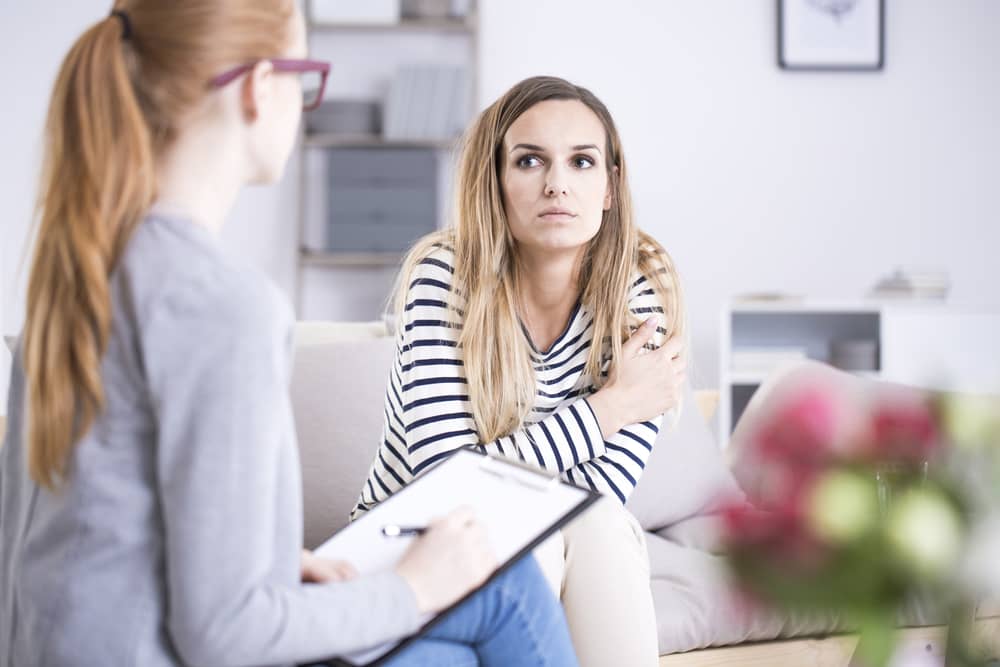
column 316, row 570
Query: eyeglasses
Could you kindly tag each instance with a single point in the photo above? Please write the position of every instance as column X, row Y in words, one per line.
column 312, row 72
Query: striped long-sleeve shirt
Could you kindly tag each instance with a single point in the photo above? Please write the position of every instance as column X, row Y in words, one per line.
column 428, row 414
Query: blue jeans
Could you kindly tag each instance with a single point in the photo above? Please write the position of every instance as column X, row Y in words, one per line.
column 514, row 620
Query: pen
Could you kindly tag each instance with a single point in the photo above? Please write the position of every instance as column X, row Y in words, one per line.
column 392, row 530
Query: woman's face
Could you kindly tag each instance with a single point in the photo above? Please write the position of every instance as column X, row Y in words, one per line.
column 554, row 176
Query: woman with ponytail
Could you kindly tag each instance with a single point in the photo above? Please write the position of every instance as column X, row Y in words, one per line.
column 150, row 501
column 543, row 325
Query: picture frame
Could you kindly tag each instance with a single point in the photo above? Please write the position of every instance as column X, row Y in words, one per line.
column 831, row 35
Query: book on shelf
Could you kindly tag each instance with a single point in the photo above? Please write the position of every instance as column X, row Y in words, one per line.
column 426, row 102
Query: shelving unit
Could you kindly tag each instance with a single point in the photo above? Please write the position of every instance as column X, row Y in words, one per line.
column 364, row 58
column 928, row 344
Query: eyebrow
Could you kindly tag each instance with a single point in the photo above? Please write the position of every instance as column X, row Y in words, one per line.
column 533, row 147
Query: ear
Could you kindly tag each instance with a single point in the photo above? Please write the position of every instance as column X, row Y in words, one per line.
column 612, row 186
column 256, row 89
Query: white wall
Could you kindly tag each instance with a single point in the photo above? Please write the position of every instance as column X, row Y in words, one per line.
column 754, row 178
column 759, row 179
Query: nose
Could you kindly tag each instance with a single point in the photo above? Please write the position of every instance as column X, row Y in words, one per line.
column 555, row 183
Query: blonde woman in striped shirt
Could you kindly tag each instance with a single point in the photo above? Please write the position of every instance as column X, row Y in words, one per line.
column 498, row 318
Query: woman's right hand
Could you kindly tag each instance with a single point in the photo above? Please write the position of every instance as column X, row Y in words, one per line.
column 450, row 559
column 643, row 384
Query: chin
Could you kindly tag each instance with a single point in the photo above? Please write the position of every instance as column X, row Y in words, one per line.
column 558, row 243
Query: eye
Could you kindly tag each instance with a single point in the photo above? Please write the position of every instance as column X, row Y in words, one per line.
column 583, row 162
column 528, row 161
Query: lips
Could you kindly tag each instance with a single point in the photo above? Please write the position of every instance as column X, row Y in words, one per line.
column 555, row 212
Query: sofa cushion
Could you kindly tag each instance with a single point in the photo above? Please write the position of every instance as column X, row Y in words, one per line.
column 849, row 395
column 697, row 605
column 686, row 474
column 338, row 397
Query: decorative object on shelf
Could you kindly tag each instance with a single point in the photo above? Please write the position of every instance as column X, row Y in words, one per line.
column 369, row 12
column 855, row 355
column 768, row 297
column 426, row 9
column 917, row 284
column 347, row 118
column 831, row 34
column 871, row 504
column 426, row 102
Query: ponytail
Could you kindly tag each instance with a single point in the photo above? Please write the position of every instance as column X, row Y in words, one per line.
column 97, row 183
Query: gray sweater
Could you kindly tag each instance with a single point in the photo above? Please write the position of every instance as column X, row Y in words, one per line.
column 176, row 537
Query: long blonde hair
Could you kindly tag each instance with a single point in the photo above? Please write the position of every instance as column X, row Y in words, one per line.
column 496, row 354
column 121, row 94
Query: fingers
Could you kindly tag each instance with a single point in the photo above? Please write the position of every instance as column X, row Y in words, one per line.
column 321, row 570
column 346, row 571
column 641, row 336
column 673, row 348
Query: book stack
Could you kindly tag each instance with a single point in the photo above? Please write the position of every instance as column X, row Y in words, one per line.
column 913, row 284
column 426, row 103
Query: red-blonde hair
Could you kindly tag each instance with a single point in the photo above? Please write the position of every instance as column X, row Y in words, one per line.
column 119, row 100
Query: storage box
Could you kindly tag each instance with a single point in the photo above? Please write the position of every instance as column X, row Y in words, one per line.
column 346, row 117
column 380, row 199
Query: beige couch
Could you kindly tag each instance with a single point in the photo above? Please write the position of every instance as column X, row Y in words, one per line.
column 337, row 394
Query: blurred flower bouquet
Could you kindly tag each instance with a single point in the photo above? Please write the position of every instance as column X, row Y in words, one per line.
column 901, row 506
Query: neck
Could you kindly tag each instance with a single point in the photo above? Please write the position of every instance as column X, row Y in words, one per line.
column 199, row 177
column 549, row 289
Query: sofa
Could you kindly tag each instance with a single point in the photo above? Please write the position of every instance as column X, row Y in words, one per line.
column 337, row 392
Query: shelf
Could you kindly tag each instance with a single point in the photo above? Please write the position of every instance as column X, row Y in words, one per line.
column 329, row 140
column 405, row 25
column 324, row 259
column 801, row 305
column 753, row 379
column 745, row 378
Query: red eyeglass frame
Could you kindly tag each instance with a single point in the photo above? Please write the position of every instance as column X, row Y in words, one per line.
column 281, row 65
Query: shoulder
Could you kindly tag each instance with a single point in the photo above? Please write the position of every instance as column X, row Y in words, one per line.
column 174, row 273
column 653, row 271
column 654, row 288
column 434, row 263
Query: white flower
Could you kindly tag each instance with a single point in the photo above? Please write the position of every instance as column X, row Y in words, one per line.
column 842, row 506
column 925, row 532
column 972, row 421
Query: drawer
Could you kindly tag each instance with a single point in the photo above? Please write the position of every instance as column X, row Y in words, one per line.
column 382, row 167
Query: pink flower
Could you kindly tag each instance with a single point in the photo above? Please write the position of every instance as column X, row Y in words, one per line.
column 902, row 432
column 799, row 432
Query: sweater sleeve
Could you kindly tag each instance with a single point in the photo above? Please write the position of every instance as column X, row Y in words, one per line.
column 217, row 371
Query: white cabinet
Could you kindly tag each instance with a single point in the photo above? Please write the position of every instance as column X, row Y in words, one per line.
column 929, row 345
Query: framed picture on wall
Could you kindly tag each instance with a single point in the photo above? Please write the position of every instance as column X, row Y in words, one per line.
column 845, row 35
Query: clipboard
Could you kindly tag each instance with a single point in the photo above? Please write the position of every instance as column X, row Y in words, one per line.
column 520, row 505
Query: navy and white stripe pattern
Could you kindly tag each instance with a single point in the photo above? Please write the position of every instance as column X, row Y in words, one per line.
column 428, row 414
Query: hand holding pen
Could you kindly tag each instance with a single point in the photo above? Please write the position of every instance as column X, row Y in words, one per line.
column 446, row 560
